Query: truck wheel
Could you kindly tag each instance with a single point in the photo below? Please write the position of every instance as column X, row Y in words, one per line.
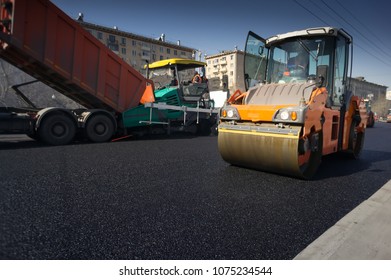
column 356, row 140
column 99, row 128
column 371, row 120
column 57, row 129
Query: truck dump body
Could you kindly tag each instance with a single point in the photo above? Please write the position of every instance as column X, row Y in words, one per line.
column 44, row 42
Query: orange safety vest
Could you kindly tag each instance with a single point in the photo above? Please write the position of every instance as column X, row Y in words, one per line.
column 196, row 79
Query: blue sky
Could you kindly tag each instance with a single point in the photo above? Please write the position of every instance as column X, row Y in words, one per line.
column 213, row 26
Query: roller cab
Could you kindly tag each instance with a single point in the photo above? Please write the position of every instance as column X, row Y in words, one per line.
column 297, row 105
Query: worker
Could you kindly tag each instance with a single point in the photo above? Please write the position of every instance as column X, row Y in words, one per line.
column 297, row 66
column 301, row 61
column 196, row 78
column 174, row 81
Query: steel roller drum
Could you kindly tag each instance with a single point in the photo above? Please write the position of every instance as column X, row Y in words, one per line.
column 275, row 152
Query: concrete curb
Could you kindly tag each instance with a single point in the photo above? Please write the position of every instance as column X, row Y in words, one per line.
column 363, row 234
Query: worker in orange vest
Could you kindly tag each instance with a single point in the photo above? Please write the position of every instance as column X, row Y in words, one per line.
column 196, row 78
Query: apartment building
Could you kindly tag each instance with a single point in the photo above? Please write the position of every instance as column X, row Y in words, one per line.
column 377, row 94
column 225, row 71
column 366, row 89
column 136, row 49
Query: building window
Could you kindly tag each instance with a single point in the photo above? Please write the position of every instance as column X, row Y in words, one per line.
column 123, row 41
column 134, row 43
column 175, row 52
column 161, row 57
column 146, row 54
column 111, row 38
column 161, row 49
column 100, row 35
column 134, row 53
column 123, row 50
column 168, row 50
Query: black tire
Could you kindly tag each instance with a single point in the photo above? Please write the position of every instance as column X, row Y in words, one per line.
column 99, row 128
column 371, row 120
column 33, row 135
column 356, row 140
column 309, row 169
column 204, row 128
column 57, row 129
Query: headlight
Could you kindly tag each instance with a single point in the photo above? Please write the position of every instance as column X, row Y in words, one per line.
column 230, row 113
column 290, row 115
column 284, row 115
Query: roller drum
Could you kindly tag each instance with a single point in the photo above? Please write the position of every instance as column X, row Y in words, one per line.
column 272, row 152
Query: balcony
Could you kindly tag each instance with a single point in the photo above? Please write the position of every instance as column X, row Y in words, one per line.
column 112, row 41
column 114, row 47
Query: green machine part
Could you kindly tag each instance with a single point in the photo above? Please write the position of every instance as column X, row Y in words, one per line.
column 141, row 115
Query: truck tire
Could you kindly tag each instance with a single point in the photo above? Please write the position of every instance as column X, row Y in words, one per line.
column 99, row 128
column 57, row 129
column 371, row 119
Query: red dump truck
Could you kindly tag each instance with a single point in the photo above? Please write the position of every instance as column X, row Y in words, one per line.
column 41, row 40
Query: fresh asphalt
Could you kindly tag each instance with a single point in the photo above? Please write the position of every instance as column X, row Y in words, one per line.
column 171, row 198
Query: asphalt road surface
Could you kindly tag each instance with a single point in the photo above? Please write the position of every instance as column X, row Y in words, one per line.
column 171, row 198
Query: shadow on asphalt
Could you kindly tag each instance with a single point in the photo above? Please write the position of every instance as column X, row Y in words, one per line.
column 24, row 142
column 340, row 164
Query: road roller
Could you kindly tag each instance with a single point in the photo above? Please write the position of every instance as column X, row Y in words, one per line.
column 297, row 105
